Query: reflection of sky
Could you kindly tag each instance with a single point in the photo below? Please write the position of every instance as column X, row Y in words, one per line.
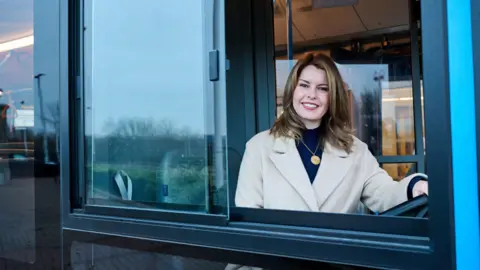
column 142, row 66
column 359, row 77
column 16, row 19
column 16, row 69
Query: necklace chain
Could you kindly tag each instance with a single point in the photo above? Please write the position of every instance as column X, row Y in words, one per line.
column 316, row 149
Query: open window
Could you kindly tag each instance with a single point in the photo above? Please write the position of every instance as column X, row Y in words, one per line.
column 377, row 48
column 159, row 118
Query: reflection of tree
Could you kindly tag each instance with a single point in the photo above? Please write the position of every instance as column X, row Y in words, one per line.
column 54, row 119
column 142, row 127
column 371, row 119
column 125, row 128
column 43, row 118
column 145, row 140
column 166, row 128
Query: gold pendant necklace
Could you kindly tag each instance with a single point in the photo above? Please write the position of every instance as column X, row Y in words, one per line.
column 315, row 160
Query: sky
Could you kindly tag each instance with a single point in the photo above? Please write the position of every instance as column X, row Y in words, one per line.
column 141, row 66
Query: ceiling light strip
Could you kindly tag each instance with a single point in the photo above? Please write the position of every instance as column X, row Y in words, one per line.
column 16, row 44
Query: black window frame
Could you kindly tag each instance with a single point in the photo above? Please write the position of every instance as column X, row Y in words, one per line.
column 373, row 241
column 265, row 81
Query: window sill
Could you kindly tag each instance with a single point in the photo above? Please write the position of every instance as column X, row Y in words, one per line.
column 327, row 245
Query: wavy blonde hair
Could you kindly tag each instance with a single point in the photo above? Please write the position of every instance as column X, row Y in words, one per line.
column 335, row 127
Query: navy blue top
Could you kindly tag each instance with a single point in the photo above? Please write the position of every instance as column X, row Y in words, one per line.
column 310, row 138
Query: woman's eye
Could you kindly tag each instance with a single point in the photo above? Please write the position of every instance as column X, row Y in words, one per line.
column 325, row 89
column 303, row 85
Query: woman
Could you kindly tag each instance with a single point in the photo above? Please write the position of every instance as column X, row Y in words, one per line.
column 310, row 160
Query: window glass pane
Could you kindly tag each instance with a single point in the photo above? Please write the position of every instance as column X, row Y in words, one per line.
column 398, row 171
column 154, row 122
column 17, row 99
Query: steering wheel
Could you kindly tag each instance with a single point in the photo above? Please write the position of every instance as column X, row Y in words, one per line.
column 416, row 207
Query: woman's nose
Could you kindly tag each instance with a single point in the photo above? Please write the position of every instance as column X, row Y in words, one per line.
column 312, row 93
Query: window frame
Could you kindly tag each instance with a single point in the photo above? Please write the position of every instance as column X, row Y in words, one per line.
column 369, row 243
column 76, row 68
column 265, row 83
column 190, row 252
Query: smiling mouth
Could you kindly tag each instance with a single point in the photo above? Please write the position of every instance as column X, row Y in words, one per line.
column 310, row 105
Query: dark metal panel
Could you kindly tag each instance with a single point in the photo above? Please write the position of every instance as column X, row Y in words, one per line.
column 76, row 82
column 149, row 214
column 416, row 84
column 187, row 251
column 362, row 223
column 405, row 242
column 265, row 85
column 47, row 115
column 241, row 121
column 65, row 84
column 437, row 132
column 357, row 248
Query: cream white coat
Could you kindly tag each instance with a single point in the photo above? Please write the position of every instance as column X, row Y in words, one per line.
column 272, row 176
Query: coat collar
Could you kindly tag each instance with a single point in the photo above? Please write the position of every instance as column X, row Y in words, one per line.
column 334, row 166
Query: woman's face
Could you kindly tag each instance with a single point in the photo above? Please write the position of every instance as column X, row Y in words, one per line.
column 310, row 96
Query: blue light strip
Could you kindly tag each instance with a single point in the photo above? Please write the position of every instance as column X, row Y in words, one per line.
column 462, row 113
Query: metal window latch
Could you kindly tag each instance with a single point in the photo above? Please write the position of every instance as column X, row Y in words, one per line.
column 213, row 65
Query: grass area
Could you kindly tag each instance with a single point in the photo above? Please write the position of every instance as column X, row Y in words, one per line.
column 186, row 184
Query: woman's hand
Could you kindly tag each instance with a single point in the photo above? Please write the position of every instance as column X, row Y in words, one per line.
column 421, row 187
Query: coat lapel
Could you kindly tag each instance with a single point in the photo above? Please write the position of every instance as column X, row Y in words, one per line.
column 286, row 159
column 333, row 168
